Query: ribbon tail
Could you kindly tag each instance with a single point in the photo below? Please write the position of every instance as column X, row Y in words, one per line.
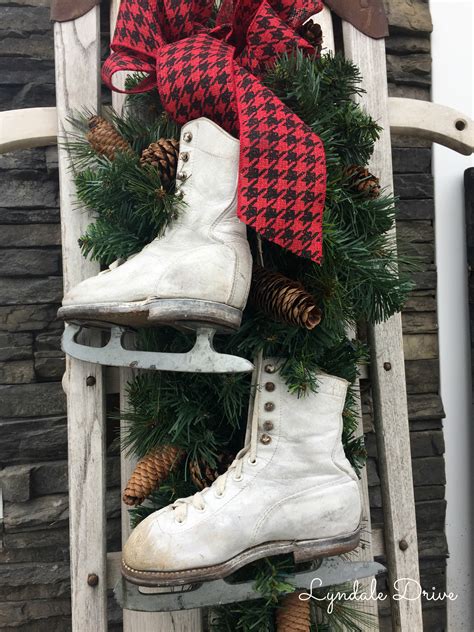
column 121, row 61
column 282, row 181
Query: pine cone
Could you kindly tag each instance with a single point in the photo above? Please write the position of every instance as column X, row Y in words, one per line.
column 313, row 33
column 150, row 472
column 362, row 181
column 283, row 299
column 163, row 156
column 203, row 475
column 104, row 138
column 293, row 615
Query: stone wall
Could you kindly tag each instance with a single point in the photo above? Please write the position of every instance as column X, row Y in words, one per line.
column 34, row 571
column 34, row 546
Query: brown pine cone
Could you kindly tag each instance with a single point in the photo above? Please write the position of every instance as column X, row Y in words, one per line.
column 362, row 181
column 163, row 156
column 293, row 615
column 283, row 299
column 150, row 472
column 104, row 138
column 313, row 33
column 203, row 475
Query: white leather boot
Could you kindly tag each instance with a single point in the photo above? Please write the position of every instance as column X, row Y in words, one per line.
column 199, row 271
column 290, row 490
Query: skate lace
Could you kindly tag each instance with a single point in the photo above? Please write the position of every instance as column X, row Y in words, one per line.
column 247, row 455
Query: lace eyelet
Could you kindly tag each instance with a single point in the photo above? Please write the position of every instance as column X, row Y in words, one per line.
column 217, row 495
column 178, row 521
column 250, row 462
column 201, row 509
column 237, row 479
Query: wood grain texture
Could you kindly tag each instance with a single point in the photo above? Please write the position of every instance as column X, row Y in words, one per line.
column 437, row 123
column 191, row 620
column 364, row 551
column 183, row 621
column 389, row 388
column 27, row 128
column 77, row 48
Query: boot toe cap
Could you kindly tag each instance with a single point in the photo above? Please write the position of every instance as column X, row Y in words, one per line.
column 148, row 548
column 93, row 290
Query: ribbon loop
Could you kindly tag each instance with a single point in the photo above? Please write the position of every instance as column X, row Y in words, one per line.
column 216, row 73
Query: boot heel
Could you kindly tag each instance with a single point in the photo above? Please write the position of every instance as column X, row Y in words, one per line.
column 307, row 550
column 193, row 313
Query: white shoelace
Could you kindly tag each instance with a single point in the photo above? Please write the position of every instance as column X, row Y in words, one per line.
column 181, row 505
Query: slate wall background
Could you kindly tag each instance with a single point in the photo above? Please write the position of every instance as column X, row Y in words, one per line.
column 34, row 570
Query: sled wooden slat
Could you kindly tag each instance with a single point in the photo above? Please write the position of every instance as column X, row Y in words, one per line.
column 388, row 369
column 364, row 550
column 26, row 128
column 436, row 123
column 133, row 621
column 77, row 48
column 143, row 621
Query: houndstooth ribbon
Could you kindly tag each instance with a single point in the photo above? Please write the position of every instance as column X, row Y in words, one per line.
column 215, row 72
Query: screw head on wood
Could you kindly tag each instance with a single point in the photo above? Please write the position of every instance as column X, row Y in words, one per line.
column 92, row 579
column 403, row 544
column 387, row 366
column 90, row 380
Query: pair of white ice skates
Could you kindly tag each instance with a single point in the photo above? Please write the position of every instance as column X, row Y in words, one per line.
column 291, row 488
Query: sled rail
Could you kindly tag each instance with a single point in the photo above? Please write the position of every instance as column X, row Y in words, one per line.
column 434, row 122
column 27, row 128
column 37, row 127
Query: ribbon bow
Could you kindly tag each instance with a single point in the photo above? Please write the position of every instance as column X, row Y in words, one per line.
column 215, row 72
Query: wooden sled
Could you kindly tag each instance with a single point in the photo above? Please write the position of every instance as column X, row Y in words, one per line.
column 93, row 572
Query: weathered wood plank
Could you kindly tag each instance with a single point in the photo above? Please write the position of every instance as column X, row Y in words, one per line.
column 184, row 621
column 392, row 429
column 437, row 123
column 77, row 49
column 32, row 127
column 364, row 552
column 188, row 621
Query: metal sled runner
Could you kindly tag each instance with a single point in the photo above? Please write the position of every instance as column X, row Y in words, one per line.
column 330, row 571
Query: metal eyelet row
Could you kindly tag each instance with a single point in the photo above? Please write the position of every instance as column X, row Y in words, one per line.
column 182, row 176
column 270, row 387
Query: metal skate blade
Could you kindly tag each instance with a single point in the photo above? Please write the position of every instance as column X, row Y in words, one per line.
column 202, row 358
column 332, row 571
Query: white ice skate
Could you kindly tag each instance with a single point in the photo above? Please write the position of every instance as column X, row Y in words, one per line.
column 289, row 490
column 196, row 276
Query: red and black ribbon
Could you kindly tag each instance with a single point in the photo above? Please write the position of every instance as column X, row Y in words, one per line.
column 216, row 73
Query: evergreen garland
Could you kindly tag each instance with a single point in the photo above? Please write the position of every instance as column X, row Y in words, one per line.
column 358, row 281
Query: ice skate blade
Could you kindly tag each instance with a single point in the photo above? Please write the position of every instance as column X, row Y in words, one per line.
column 332, row 571
column 303, row 550
column 202, row 358
column 181, row 313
